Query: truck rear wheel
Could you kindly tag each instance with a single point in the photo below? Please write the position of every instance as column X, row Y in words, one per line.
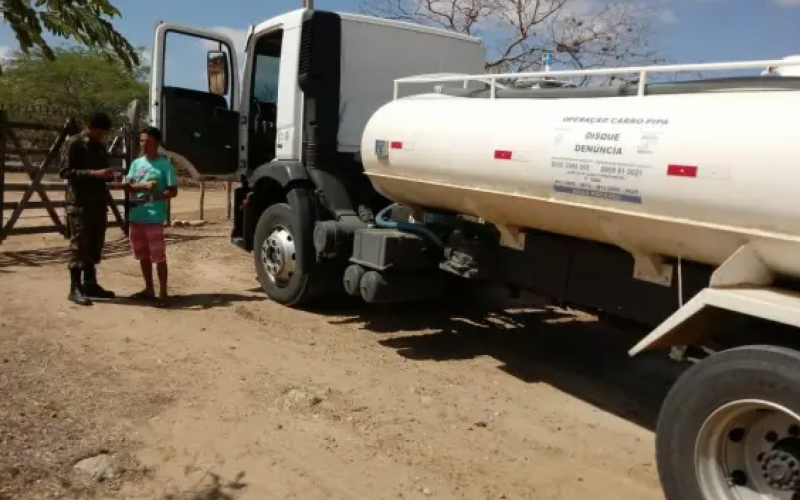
column 730, row 428
column 283, row 250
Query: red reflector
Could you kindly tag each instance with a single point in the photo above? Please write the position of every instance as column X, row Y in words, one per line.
column 682, row 170
column 502, row 155
column 396, row 145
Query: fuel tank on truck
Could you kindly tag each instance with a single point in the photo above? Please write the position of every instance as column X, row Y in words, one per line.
column 692, row 169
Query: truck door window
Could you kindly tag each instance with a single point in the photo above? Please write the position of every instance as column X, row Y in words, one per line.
column 264, row 100
column 201, row 129
column 185, row 67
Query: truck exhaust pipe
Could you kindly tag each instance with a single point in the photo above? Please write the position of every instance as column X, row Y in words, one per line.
column 308, row 4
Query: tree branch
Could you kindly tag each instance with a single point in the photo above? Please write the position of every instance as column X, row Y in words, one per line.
column 84, row 21
column 517, row 32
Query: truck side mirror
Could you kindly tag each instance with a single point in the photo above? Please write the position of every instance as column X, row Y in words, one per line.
column 218, row 72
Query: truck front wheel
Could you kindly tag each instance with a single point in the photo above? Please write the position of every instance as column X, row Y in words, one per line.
column 730, row 428
column 283, row 250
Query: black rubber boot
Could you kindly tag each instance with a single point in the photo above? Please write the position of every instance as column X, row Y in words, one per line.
column 91, row 288
column 76, row 294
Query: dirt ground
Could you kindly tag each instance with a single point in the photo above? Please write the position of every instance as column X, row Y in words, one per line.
column 229, row 396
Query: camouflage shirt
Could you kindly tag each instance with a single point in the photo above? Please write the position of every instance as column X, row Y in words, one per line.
column 79, row 157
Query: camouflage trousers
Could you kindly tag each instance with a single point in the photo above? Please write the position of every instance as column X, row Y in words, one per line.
column 87, row 227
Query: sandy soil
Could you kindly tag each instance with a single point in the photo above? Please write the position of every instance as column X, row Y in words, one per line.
column 230, row 396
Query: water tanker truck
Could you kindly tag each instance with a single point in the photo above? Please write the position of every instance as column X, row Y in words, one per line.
column 373, row 158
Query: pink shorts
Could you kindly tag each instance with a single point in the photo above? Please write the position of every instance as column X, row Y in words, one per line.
column 147, row 242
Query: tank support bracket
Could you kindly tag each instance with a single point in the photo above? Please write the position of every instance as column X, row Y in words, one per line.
column 511, row 237
column 744, row 267
column 651, row 268
column 646, row 266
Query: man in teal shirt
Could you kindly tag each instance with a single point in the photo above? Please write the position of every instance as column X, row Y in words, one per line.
column 152, row 181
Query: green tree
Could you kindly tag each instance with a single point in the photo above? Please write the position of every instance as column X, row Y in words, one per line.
column 84, row 21
column 76, row 83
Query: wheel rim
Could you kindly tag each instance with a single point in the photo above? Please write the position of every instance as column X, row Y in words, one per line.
column 749, row 450
column 278, row 255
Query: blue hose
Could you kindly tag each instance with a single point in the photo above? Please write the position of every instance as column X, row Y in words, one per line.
column 382, row 221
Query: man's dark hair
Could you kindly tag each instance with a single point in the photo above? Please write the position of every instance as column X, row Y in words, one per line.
column 100, row 121
column 153, row 132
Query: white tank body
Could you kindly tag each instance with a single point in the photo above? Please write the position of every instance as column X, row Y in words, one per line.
column 689, row 175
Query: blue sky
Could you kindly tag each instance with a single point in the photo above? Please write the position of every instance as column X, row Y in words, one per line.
column 687, row 30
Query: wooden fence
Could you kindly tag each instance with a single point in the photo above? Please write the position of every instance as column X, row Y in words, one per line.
column 25, row 168
column 32, row 196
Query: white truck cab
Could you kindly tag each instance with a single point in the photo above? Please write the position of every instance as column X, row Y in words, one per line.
column 289, row 130
column 310, row 77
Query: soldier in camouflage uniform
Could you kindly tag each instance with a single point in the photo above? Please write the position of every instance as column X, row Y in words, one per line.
column 85, row 166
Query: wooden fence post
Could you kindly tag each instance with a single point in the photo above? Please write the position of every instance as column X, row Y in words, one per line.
column 127, row 138
column 228, row 199
column 3, row 126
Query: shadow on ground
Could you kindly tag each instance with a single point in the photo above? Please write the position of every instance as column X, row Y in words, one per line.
column 191, row 302
column 114, row 248
column 584, row 358
column 204, row 301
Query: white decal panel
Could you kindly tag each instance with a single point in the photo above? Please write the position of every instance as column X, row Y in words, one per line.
column 284, row 137
column 605, row 157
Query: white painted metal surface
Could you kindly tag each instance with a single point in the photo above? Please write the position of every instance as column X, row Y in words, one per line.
column 289, row 98
column 788, row 66
column 774, row 304
column 789, row 70
column 375, row 52
column 694, row 176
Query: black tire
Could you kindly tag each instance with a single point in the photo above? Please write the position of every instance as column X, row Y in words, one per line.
column 297, row 218
column 762, row 372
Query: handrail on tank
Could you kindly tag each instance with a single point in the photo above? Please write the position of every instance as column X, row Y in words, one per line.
column 642, row 70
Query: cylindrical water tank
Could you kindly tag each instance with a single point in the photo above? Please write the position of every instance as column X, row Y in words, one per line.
column 691, row 174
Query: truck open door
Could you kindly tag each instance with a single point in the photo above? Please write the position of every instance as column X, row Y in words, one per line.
column 200, row 128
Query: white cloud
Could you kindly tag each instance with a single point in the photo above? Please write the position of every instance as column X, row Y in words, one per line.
column 5, row 52
column 146, row 57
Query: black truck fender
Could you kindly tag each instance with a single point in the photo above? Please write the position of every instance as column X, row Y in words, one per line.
column 265, row 186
